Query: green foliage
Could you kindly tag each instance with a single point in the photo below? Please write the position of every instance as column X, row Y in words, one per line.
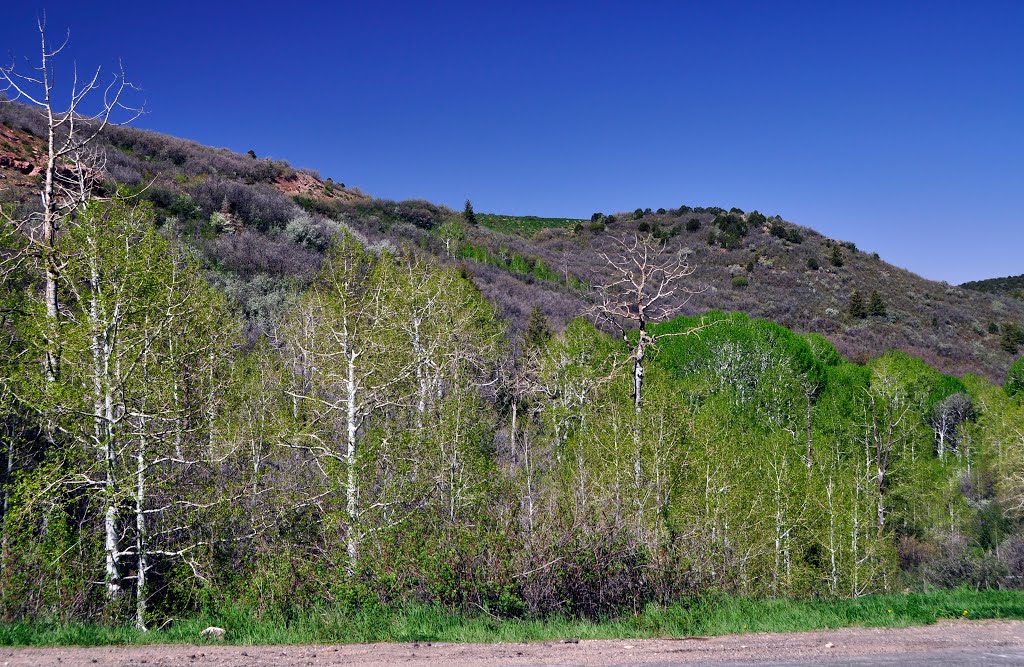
column 740, row 282
column 857, row 307
column 538, row 331
column 709, row 615
column 528, row 225
column 693, row 224
column 468, row 214
column 812, row 263
column 1015, row 378
column 836, row 256
column 876, row 306
column 1012, row 338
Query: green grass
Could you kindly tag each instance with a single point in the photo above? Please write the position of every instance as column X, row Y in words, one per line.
column 703, row 617
column 523, row 225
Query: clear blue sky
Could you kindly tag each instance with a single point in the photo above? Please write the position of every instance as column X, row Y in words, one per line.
column 899, row 126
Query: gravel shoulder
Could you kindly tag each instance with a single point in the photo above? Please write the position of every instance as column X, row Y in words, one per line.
column 946, row 642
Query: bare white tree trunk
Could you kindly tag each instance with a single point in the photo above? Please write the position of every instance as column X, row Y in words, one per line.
column 352, row 486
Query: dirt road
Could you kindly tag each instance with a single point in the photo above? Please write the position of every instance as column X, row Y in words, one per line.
column 946, row 643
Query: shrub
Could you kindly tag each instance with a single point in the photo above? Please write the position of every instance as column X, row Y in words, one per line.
column 597, row 216
column 424, row 214
column 637, row 214
column 597, row 226
column 732, row 225
column 756, row 219
column 643, row 226
column 661, row 211
column 305, row 231
column 1015, row 378
column 1013, row 337
column 739, row 282
column 692, row 225
column 812, row 263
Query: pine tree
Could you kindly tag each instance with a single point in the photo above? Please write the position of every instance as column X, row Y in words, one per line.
column 538, row 331
column 857, row 307
column 468, row 213
column 837, row 256
column 876, row 306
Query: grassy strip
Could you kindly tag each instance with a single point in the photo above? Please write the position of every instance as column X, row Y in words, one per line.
column 703, row 617
column 523, row 225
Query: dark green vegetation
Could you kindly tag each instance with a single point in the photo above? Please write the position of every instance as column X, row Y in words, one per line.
column 258, row 392
column 1010, row 286
column 716, row 615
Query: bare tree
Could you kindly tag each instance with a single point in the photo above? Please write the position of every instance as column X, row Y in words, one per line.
column 648, row 284
column 72, row 160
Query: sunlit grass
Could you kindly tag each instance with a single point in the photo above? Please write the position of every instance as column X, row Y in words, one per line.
column 717, row 615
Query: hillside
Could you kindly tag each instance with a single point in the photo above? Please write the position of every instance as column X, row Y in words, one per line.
column 1012, row 286
column 262, row 225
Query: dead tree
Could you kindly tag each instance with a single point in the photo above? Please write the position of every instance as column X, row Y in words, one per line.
column 72, row 159
column 648, row 284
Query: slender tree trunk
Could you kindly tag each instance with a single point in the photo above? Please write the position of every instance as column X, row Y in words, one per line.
column 638, row 374
column 352, row 490
column 810, row 441
column 141, row 545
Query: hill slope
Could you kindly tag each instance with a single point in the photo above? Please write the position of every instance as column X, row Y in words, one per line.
column 1012, row 286
column 262, row 226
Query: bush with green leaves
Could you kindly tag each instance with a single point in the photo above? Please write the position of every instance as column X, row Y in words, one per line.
column 1015, row 378
column 1012, row 338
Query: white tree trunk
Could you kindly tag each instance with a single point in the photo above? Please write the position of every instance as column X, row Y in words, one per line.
column 352, row 488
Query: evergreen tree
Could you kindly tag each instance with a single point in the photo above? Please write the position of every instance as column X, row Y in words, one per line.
column 468, row 213
column 836, row 257
column 876, row 306
column 1013, row 337
column 538, row 331
column 857, row 307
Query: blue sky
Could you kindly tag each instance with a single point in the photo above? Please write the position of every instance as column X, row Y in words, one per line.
column 899, row 126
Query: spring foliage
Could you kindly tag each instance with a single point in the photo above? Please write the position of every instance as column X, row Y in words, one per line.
column 386, row 445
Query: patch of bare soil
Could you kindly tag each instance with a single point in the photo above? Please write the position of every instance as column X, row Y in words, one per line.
column 810, row 647
column 301, row 183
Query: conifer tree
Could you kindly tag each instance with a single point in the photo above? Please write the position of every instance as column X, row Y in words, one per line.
column 836, row 258
column 876, row 306
column 468, row 213
column 857, row 307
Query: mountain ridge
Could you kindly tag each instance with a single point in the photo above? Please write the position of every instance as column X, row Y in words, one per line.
column 262, row 226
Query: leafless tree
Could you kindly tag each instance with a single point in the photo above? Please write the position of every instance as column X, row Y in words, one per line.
column 649, row 283
column 72, row 161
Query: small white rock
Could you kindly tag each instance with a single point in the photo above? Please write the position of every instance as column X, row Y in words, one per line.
column 213, row 632
column 829, row 645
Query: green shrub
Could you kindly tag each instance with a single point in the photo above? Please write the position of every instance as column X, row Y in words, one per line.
column 692, row 225
column 739, row 282
column 1013, row 337
column 812, row 263
column 1015, row 378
